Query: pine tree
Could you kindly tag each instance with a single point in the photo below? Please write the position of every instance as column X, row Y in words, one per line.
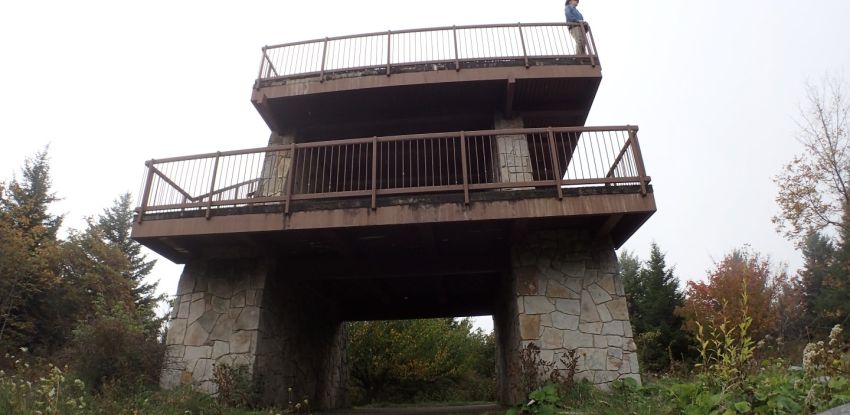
column 832, row 304
column 630, row 266
column 115, row 224
column 28, row 256
column 818, row 254
column 653, row 300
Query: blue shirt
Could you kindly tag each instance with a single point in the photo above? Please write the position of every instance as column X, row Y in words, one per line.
column 573, row 15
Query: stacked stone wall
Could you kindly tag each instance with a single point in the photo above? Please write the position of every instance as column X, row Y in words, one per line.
column 568, row 296
column 214, row 320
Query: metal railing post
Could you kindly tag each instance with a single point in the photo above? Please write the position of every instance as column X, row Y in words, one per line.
column 147, row 192
column 263, row 61
column 592, row 42
column 638, row 159
column 212, row 184
column 553, row 152
column 374, row 172
column 463, row 167
column 290, row 179
column 522, row 40
column 389, row 44
column 457, row 57
column 324, row 55
column 584, row 28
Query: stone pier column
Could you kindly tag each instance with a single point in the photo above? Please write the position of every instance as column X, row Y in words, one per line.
column 564, row 294
column 512, row 152
column 276, row 166
column 215, row 320
column 249, row 313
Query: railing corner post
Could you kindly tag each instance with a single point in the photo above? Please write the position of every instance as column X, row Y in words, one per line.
column 638, row 159
column 389, row 45
column 324, row 56
column 457, row 57
column 146, row 193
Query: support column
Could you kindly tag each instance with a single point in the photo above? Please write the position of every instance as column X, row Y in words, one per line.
column 565, row 294
column 512, row 152
column 276, row 166
column 214, row 320
column 248, row 313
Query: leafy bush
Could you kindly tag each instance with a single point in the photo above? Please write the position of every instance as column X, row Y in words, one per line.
column 115, row 349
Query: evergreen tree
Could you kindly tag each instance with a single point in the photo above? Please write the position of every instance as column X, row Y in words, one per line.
column 28, row 256
column 832, row 304
column 818, row 253
column 653, row 294
column 115, row 224
column 630, row 273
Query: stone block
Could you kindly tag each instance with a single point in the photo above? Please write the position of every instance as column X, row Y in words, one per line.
column 618, row 309
column 598, row 295
column 220, row 305
column 194, row 353
column 253, row 297
column 223, row 328
column 613, row 327
column 527, row 280
column 572, row 307
column 203, row 370
column 574, row 284
column 220, row 349
column 207, row 321
column 538, row 305
column 545, row 320
column 606, row 376
column 198, row 295
column 615, row 359
column 589, row 313
column 529, row 327
column 241, row 341
column 599, row 341
column 616, row 341
column 174, row 352
column 629, row 345
column 633, row 362
column 604, row 314
column 564, row 321
column 197, row 309
column 196, row 335
column 520, row 305
column 249, row 319
column 596, row 359
column 552, row 339
column 183, row 310
column 555, row 289
column 238, row 300
column 575, row 340
column 176, row 332
column 590, row 328
column 606, row 282
column 627, row 328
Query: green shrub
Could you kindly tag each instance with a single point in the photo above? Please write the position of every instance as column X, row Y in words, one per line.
column 115, row 350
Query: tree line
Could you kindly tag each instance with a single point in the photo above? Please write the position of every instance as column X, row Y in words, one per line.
column 79, row 300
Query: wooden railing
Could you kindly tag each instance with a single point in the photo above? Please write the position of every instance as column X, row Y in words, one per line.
column 457, row 162
column 449, row 47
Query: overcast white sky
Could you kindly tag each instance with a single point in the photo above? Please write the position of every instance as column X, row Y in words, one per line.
column 715, row 88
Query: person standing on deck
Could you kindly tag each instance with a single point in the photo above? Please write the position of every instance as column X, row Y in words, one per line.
column 577, row 26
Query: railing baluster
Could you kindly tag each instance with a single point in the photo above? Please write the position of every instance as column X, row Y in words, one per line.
column 522, row 41
column 457, row 58
column 553, row 151
column 324, row 56
column 463, row 168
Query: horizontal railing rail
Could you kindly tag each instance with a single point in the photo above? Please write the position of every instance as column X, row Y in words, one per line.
column 459, row 162
column 452, row 46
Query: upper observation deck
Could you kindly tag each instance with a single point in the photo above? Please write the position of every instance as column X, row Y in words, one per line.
column 427, row 80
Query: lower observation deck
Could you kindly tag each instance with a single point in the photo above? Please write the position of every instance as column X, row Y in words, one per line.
column 435, row 191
